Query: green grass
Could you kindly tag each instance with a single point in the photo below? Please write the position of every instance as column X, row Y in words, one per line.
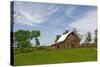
column 53, row 56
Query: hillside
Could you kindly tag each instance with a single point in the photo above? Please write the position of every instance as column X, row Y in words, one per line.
column 52, row 56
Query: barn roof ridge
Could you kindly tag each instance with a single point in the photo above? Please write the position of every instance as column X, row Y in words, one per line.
column 63, row 37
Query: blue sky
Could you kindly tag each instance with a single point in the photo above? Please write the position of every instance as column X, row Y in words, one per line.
column 52, row 19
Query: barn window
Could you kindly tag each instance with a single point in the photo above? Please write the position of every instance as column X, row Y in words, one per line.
column 57, row 46
column 72, row 33
column 68, row 45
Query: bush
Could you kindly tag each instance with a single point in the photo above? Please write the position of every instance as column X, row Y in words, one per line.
column 26, row 50
column 22, row 50
column 88, row 45
column 40, row 48
column 16, row 50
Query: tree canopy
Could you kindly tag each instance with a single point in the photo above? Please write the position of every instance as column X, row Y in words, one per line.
column 88, row 37
column 95, row 33
column 35, row 34
column 57, row 37
column 22, row 38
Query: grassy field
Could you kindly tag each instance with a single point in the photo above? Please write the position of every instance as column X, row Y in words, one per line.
column 52, row 56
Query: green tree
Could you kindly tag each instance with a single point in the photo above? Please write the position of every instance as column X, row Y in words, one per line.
column 22, row 38
column 95, row 39
column 35, row 34
column 66, row 31
column 57, row 37
column 76, row 32
column 88, row 37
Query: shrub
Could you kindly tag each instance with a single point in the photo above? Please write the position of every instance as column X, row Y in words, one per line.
column 26, row 50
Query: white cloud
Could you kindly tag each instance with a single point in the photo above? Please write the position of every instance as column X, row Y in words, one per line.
column 70, row 10
column 53, row 10
column 28, row 18
column 86, row 23
column 32, row 15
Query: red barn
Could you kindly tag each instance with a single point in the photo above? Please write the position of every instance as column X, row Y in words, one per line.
column 68, row 40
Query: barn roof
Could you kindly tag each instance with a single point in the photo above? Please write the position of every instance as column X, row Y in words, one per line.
column 63, row 37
